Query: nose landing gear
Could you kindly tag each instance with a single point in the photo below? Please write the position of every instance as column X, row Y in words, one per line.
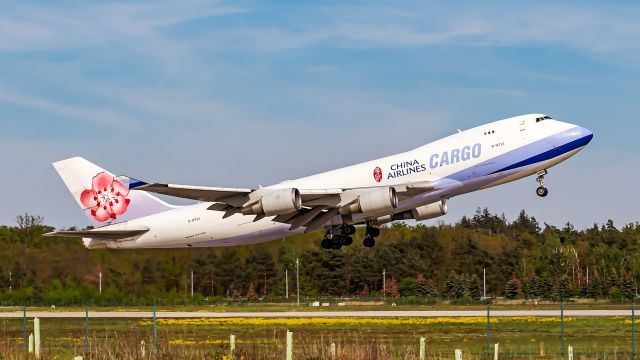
column 542, row 190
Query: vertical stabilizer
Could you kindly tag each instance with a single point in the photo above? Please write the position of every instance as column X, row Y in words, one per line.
column 105, row 199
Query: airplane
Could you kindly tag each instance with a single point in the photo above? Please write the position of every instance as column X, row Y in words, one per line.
column 413, row 185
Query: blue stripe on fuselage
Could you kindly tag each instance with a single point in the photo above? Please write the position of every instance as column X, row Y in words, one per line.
column 529, row 154
column 550, row 154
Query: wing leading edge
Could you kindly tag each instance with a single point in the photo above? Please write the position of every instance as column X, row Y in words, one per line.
column 200, row 193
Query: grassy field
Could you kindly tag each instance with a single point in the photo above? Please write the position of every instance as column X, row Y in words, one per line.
column 346, row 305
column 363, row 338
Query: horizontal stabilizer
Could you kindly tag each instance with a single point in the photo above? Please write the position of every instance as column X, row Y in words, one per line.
column 99, row 234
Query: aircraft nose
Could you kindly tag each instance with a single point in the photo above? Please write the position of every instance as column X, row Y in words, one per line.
column 576, row 137
column 584, row 134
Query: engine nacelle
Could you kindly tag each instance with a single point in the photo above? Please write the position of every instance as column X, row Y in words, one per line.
column 378, row 201
column 276, row 202
column 424, row 212
column 430, row 211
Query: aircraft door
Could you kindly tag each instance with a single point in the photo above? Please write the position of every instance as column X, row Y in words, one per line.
column 523, row 128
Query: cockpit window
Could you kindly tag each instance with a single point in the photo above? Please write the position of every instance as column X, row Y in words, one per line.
column 546, row 117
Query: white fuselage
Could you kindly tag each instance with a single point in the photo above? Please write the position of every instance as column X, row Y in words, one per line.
column 478, row 158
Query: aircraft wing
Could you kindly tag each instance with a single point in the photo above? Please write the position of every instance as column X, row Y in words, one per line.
column 238, row 196
column 200, row 193
column 318, row 206
column 99, row 234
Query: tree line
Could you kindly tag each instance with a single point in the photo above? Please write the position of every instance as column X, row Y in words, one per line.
column 521, row 258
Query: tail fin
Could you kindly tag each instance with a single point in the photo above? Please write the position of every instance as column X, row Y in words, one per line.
column 105, row 199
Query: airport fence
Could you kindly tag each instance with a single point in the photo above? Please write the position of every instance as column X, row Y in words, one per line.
column 557, row 336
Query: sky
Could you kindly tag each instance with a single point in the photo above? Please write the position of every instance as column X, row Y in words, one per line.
column 250, row 93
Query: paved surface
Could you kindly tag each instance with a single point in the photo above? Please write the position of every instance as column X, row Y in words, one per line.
column 314, row 314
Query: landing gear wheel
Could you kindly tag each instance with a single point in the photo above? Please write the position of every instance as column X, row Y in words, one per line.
column 368, row 242
column 373, row 232
column 326, row 243
column 347, row 240
column 348, row 230
column 336, row 242
column 542, row 191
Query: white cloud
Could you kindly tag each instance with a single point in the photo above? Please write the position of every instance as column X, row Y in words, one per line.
column 168, row 105
column 98, row 115
column 606, row 31
column 28, row 26
column 21, row 35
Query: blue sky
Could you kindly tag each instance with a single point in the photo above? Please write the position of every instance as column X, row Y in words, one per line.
column 250, row 93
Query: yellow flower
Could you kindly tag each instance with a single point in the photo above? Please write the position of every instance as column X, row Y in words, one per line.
column 354, row 321
column 199, row 342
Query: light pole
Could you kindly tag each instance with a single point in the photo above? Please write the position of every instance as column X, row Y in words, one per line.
column 286, row 283
column 191, row 283
column 484, row 283
column 100, row 282
column 298, row 280
column 587, row 275
column 384, row 283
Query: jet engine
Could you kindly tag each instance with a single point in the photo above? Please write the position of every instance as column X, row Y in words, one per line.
column 424, row 212
column 430, row 211
column 380, row 200
column 275, row 202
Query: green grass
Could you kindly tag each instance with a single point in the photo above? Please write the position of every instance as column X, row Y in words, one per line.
column 590, row 337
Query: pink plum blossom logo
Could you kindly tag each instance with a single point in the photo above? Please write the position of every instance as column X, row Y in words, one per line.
column 107, row 198
column 377, row 174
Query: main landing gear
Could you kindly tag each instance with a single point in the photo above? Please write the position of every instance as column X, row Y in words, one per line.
column 338, row 236
column 371, row 234
column 542, row 190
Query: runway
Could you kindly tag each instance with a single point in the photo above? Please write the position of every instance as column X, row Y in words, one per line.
column 314, row 314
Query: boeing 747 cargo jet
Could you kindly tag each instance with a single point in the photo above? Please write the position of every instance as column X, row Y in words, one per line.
column 412, row 185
